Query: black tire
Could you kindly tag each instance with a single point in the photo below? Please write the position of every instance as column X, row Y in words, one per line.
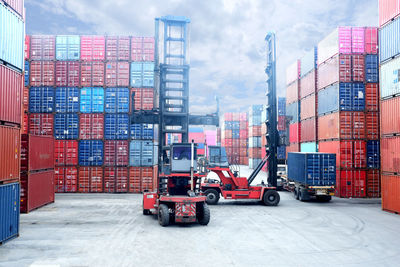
column 204, row 214
column 163, row 215
column 212, row 196
column 271, row 198
column 302, row 195
column 146, row 212
column 296, row 193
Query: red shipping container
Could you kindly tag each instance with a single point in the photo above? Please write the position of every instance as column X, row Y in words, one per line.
column 135, row 180
column 92, row 48
column 11, row 83
column 244, row 161
column 281, row 125
column 142, row 179
column 390, row 156
column 228, row 134
column 388, row 10
column 42, row 73
column 243, row 134
column 293, row 148
column 235, row 143
column 358, row 68
column 90, row 180
column 27, row 47
column 360, row 154
column 43, row 47
column 349, row 153
column 17, row 6
column 308, row 130
column 351, row 183
column 243, row 117
column 343, row 125
column 24, row 129
column 229, row 151
column 67, row 73
column 292, row 92
column 116, row 153
column 147, row 176
column 228, row 142
column 235, row 160
column 243, row 143
column 391, row 193
column 37, row 152
column 254, row 152
column 243, row 152
column 117, row 74
column 372, row 97
column 25, row 99
column 254, row 131
column 243, row 125
column 37, row 190
column 41, row 124
column 236, row 116
column 144, row 98
column 328, row 72
column 115, row 180
column 91, row 126
column 117, row 48
column 228, row 116
column 371, row 40
column 372, row 125
column 142, row 49
column 308, row 84
column 148, row 48
column 66, row 152
column 390, row 116
column 92, row 74
column 373, row 183
column 294, row 133
column 66, row 180
column 307, row 107
column 9, row 153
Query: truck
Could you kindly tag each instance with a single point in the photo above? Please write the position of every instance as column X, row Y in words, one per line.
column 312, row 175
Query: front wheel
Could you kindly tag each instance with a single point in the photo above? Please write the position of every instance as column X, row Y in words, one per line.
column 271, row 198
column 163, row 215
column 204, row 214
column 212, row 196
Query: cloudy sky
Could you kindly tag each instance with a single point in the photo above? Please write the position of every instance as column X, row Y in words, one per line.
column 227, row 36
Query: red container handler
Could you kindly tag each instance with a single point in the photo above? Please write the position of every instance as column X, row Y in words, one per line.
column 65, row 152
column 116, row 153
column 308, row 130
column 371, row 40
column 391, row 192
column 92, row 74
column 351, row 183
column 117, row 48
column 67, row 73
column 115, row 180
column 43, row 47
column 37, row 190
column 66, row 179
column 90, row 180
column 11, row 83
column 390, row 155
column 372, row 97
column 373, row 183
column 390, row 116
column 9, row 154
column 41, row 124
column 117, row 74
column 37, row 152
column 91, row 126
column 92, row 48
column 308, row 84
column 42, row 73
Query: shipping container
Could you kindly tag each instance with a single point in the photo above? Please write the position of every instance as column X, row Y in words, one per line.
column 116, row 153
column 308, row 84
column 388, row 10
column 66, row 126
column 373, row 183
column 307, row 107
column 389, row 45
column 144, row 98
column 9, row 211
column 142, row 153
column 308, row 130
column 67, row 47
column 27, row 47
column 10, row 95
column 12, row 38
column 67, row 99
column 146, row 132
column 391, row 193
column 371, row 68
column 293, row 72
column 117, row 74
column 142, row 179
column 349, row 153
column 253, row 131
column 66, row 180
column 372, row 97
column 309, row 147
column 66, row 152
column 254, row 153
column 41, row 124
column 294, row 132
column 92, row 48
column 281, row 154
column 371, row 40
column 292, row 92
column 281, row 106
column 117, row 100
column 255, row 141
column 92, row 100
column 115, row 180
column 43, row 47
column 17, row 6
column 117, row 48
column 42, row 73
column 116, row 126
column 142, row 48
column 90, row 180
column 372, row 125
column 390, row 156
column 91, row 126
column 9, row 153
column 91, row 153
column 308, row 62
column 342, row 125
column 41, row 99
column 25, row 100
column 26, row 73
column 37, row 152
column 37, row 190
column 142, row 74
column 293, row 112
column 363, row 70
column 351, row 183
column 390, row 116
column 92, row 74
column 358, row 40
column 67, row 73
column 373, row 154
column 389, row 81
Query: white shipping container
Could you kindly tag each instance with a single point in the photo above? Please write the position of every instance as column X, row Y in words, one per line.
column 389, row 78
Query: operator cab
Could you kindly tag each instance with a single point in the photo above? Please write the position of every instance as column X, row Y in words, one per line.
column 217, row 157
column 181, row 157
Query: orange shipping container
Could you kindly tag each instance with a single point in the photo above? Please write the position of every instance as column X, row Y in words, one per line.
column 307, row 107
column 342, row 125
column 390, row 116
column 292, row 92
column 308, row 130
column 10, row 145
column 373, row 183
column 307, row 84
column 90, row 180
column 391, row 193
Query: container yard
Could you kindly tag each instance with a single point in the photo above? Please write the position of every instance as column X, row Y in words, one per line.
column 124, row 135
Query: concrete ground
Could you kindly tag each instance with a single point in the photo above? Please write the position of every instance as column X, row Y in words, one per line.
column 110, row 230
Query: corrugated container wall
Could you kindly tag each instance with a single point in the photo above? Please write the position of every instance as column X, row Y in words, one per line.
column 389, row 36
column 9, row 211
column 9, row 153
column 388, row 10
column 10, row 95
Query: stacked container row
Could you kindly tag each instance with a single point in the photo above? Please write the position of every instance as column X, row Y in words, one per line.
column 293, row 106
column 255, row 148
column 234, row 137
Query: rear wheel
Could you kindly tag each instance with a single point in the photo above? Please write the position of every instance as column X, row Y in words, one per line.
column 204, row 214
column 271, row 198
column 212, row 196
column 163, row 215
column 302, row 195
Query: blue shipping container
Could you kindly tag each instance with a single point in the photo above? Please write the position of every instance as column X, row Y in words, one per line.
column 68, row 47
column 66, row 126
column 148, row 74
column 117, row 100
column 308, row 62
column 293, row 111
column 255, row 120
column 255, row 141
column 116, row 126
column 373, row 154
column 41, row 99
column 281, row 153
column 90, row 153
column 92, row 100
column 195, row 129
column 12, row 37
column 142, row 153
column 142, row 131
column 313, row 169
column 67, row 99
column 142, row 74
column 389, row 40
column 371, row 68
column 235, row 125
column 228, row 125
column 26, row 74
column 235, row 133
column 9, row 211
column 281, row 106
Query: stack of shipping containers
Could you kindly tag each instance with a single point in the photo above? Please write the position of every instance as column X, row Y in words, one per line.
column 12, row 31
column 389, row 51
column 255, row 112
column 197, row 134
column 234, row 134
column 293, row 106
column 80, row 90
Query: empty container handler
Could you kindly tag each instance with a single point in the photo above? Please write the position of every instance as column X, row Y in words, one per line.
column 350, row 154
column 92, row 74
column 12, row 36
column 389, row 41
column 371, row 97
column 391, row 193
column 91, row 153
column 310, row 147
column 26, row 73
column 10, row 95
column 143, row 179
column 41, row 99
column 390, row 157
column 142, row 153
column 9, row 211
column 37, row 190
column 17, row 6
column 116, row 153
column 67, row 100
column 142, row 48
column 371, row 68
column 9, row 153
column 308, row 62
column 67, row 73
column 91, row 126
column 42, row 47
column 117, row 74
column 143, row 98
column 92, row 48
column 117, row 48
column 389, row 81
column 373, row 154
column 67, row 47
column 146, row 132
column 117, row 100
column 351, row 183
column 92, row 100
column 142, row 74
column 116, row 126
column 293, row 112
column 41, row 124
column 390, row 116
column 115, row 180
column 343, row 125
column 90, row 180
column 66, row 126
column 37, row 152
column 42, row 73
column 66, row 152
column 66, row 180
